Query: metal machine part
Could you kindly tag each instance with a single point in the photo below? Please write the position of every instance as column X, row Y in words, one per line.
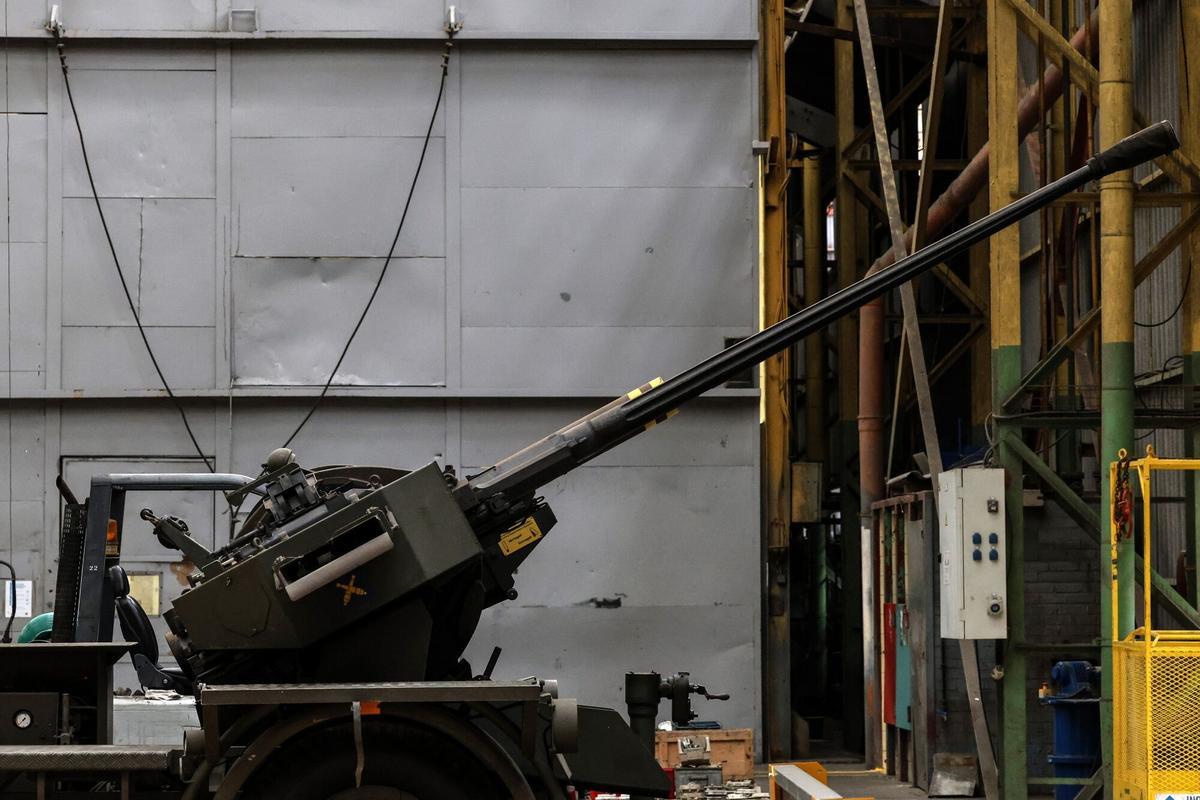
column 29, row 717
column 644, row 691
column 339, row 576
column 362, row 575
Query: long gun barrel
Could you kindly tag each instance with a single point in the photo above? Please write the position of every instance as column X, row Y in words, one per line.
column 524, row 472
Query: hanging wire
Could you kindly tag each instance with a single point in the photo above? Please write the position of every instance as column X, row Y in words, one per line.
column 391, row 250
column 1182, row 296
column 112, row 249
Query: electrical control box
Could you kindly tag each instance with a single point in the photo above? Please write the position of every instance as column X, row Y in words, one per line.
column 972, row 533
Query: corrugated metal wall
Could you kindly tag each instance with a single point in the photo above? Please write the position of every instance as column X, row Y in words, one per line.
column 586, row 220
column 1156, row 53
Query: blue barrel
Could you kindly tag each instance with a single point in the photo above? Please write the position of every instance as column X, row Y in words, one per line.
column 1076, row 724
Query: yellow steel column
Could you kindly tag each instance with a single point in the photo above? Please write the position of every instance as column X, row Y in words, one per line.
column 1116, row 320
column 1189, row 136
column 1005, row 305
column 776, row 468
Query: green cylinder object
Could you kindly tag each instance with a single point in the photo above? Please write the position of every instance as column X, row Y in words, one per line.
column 37, row 629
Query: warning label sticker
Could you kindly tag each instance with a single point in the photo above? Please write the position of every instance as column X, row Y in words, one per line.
column 1177, row 796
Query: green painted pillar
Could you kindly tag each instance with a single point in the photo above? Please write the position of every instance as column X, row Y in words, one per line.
column 1004, row 268
column 1116, row 332
column 1116, row 434
column 1006, row 371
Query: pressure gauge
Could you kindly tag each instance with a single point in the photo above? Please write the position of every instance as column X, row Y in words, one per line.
column 22, row 719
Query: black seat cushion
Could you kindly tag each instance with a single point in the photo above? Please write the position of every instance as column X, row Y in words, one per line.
column 135, row 625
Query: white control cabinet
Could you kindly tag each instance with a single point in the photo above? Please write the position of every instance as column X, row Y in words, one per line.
column 972, row 536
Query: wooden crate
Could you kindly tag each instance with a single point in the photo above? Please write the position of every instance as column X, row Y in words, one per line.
column 732, row 748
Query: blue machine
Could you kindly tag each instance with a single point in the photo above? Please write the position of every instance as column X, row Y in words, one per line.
column 1076, row 705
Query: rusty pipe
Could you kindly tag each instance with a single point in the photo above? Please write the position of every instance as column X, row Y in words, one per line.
column 961, row 191
column 971, row 180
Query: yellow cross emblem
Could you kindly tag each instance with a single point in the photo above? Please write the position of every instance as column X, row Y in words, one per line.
column 351, row 590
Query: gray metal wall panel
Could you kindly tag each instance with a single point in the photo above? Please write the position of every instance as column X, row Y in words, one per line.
column 5, row 315
column 336, row 197
column 589, row 650
column 148, row 55
column 22, row 457
column 24, row 71
column 402, row 341
column 140, row 15
column 549, row 256
column 709, row 432
column 22, row 16
column 177, row 282
column 91, row 294
column 166, row 253
column 115, row 358
column 618, row 538
column 149, row 134
column 607, row 118
column 24, row 520
column 26, row 177
column 350, row 15
column 103, row 428
column 27, row 320
column 698, row 19
column 583, row 358
column 4, row 161
column 329, row 90
column 385, row 433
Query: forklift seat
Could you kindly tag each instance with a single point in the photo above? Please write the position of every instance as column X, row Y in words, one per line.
column 136, row 628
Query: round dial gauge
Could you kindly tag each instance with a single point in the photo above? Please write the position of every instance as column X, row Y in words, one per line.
column 22, row 719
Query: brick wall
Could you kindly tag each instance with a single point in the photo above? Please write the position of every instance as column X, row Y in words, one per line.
column 1062, row 574
column 1062, row 606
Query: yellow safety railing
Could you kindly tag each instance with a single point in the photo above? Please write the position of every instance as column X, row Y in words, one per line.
column 1156, row 674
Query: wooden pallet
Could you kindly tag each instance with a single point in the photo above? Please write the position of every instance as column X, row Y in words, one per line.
column 732, row 748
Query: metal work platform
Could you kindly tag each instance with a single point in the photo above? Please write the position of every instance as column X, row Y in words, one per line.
column 85, row 758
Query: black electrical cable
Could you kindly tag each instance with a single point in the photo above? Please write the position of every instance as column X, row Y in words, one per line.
column 12, row 614
column 1182, row 296
column 391, row 250
column 62, row 57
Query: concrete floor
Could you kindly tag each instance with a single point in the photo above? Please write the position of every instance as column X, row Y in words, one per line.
column 851, row 780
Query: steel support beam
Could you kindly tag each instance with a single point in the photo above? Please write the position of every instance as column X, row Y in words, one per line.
column 1005, row 305
column 1087, row 323
column 816, row 429
column 858, row 638
column 915, row 84
column 1089, row 521
column 977, row 206
column 815, row 414
column 1116, row 329
column 912, row 330
column 1189, row 134
column 775, row 382
column 1088, row 78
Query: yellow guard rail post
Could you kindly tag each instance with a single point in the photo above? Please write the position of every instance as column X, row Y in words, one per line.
column 1156, row 674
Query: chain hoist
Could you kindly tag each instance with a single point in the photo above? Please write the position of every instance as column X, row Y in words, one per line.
column 1122, row 499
